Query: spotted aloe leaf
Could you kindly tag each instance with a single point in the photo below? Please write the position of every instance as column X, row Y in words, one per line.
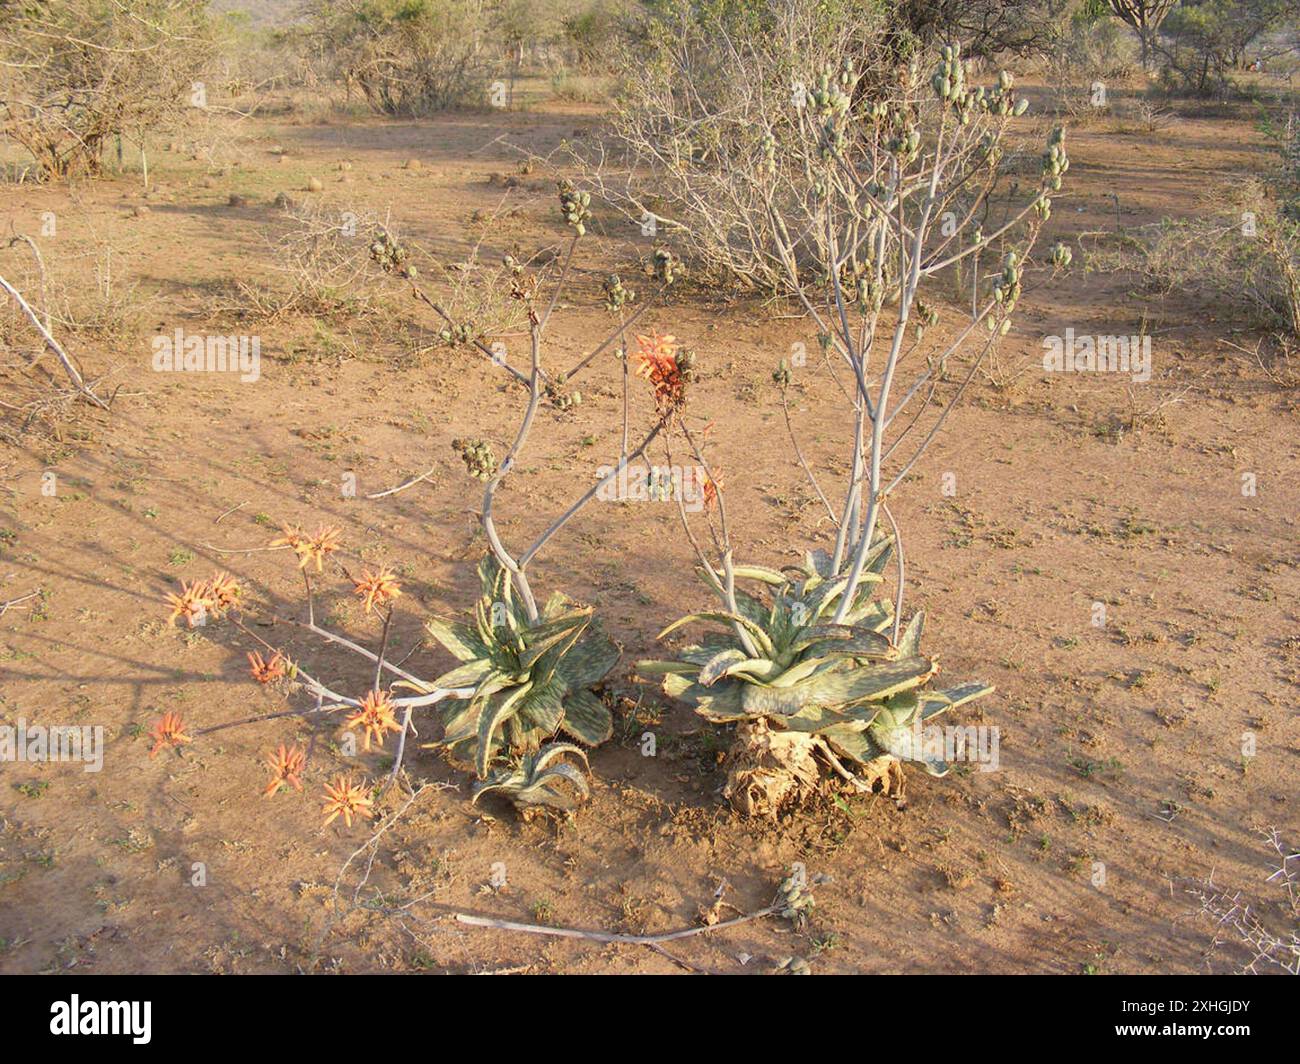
column 760, row 573
column 876, row 615
column 719, row 704
column 716, row 667
column 541, row 790
column 847, row 639
column 587, row 718
column 543, row 706
column 761, row 639
column 851, row 741
column 935, row 702
column 861, row 684
column 465, row 675
column 555, row 635
column 458, row 639
column 589, row 660
column 543, row 779
column 462, row 724
column 650, row 667
column 910, row 641
column 498, row 709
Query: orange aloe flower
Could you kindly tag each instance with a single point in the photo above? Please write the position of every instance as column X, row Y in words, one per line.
column 266, row 671
column 657, row 363
column 292, row 536
column 343, row 797
column 711, row 489
column 169, row 731
column 375, row 718
column 378, row 589
column 224, row 590
column 309, row 548
column 286, row 766
column 195, row 603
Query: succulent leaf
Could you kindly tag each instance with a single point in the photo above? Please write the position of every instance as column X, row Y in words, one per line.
column 496, row 711
column 458, row 639
column 587, row 718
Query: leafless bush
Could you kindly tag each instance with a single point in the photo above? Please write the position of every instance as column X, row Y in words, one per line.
column 1083, row 55
column 689, row 123
column 75, row 73
column 1268, row 942
column 405, row 58
column 84, row 291
column 1243, row 252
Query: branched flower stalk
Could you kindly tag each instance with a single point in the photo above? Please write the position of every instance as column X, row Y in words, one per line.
column 874, row 187
column 526, row 671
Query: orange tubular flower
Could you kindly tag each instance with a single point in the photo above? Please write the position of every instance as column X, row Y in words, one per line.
column 292, row 536
column 324, row 543
column 286, row 766
column 711, row 489
column 169, row 731
column 657, row 363
column 347, row 799
column 267, row 671
column 195, row 603
column 375, row 718
column 378, row 589
column 309, row 548
column 224, row 590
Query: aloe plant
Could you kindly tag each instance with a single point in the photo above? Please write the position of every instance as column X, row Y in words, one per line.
column 530, row 678
column 817, row 694
column 538, row 781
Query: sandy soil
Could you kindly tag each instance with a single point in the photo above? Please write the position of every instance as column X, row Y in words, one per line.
column 1121, row 746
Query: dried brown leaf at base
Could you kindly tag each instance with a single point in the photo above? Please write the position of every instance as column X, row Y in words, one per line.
column 770, row 772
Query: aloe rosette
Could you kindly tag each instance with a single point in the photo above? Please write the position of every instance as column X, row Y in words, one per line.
column 809, row 694
column 531, row 679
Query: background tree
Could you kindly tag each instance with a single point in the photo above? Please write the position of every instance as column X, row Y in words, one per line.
column 75, row 73
column 1145, row 17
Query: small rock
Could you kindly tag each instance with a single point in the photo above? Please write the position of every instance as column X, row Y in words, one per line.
column 345, row 166
column 314, row 184
column 236, row 200
column 139, row 210
column 413, row 164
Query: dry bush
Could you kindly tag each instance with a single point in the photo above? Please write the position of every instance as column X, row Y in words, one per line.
column 41, row 306
column 1243, row 253
column 75, row 73
column 688, row 126
column 1264, row 935
column 407, row 57
column 1084, row 52
column 82, row 292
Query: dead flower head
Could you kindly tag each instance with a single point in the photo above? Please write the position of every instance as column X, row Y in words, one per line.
column 267, row 671
column 657, row 363
column 194, row 603
column 204, row 599
column 310, row 548
column 712, row 486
